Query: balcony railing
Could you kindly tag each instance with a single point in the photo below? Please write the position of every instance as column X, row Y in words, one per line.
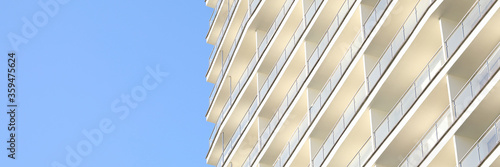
column 449, row 116
column 240, row 129
column 397, row 42
column 468, row 93
column 363, row 154
column 222, row 33
column 488, row 141
column 224, row 70
column 229, row 56
column 401, row 108
column 270, row 33
column 431, row 138
column 298, row 33
column 292, row 93
column 251, row 66
column 328, row 36
column 214, row 13
column 355, row 103
column 264, row 137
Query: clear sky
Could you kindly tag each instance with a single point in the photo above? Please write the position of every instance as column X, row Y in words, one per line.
column 119, row 83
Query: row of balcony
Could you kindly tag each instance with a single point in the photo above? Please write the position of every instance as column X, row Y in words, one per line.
column 475, row 156
column 418, row 87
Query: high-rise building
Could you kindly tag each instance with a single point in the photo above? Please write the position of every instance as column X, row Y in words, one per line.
column 354, row 83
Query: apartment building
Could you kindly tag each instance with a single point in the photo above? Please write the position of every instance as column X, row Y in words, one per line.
column 354, row 83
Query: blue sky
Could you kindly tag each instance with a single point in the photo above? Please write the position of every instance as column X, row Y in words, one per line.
column 76, row 72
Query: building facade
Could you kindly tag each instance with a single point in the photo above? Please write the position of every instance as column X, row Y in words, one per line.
column 354, row 83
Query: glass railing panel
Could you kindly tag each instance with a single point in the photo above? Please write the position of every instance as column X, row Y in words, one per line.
column 344, row 9
column 266, row 40
column 472, row 159
column 422, row 7
column 366, row 151
column 312, row 10
column 360, row 97
column 325, row 93
column 323, row 43
column 436, row 64
column 384, row 62
column 334, row 80
column 294, row 139
column 397, row 42
column 369, row 24
column 463, row 99
column 470, row 21
column 460, row 102
column 355, row 162
column 275, row 120
column 410, row 23
column 329, row 142
column 362, row 155
column 381, row 132
column 494, row 62
column 214, row 13
column 429, row 140
column 253, row 5
column 346, row 60
column 379, row 9
column 444, row 123
column 319, row 158
column 314, row 109
column 411, row 94
column 313, row 59
column 497, row 127
column 488, row 143
column 394, row 118
column 349, row 112
column 423, row 80
column 416, row 156
column 339, row 129
column 286, row 153
column 409, row 98
column 374, row 76
column 454, row 40
column 357, row 44
column 263, row 91
column 478, row 82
